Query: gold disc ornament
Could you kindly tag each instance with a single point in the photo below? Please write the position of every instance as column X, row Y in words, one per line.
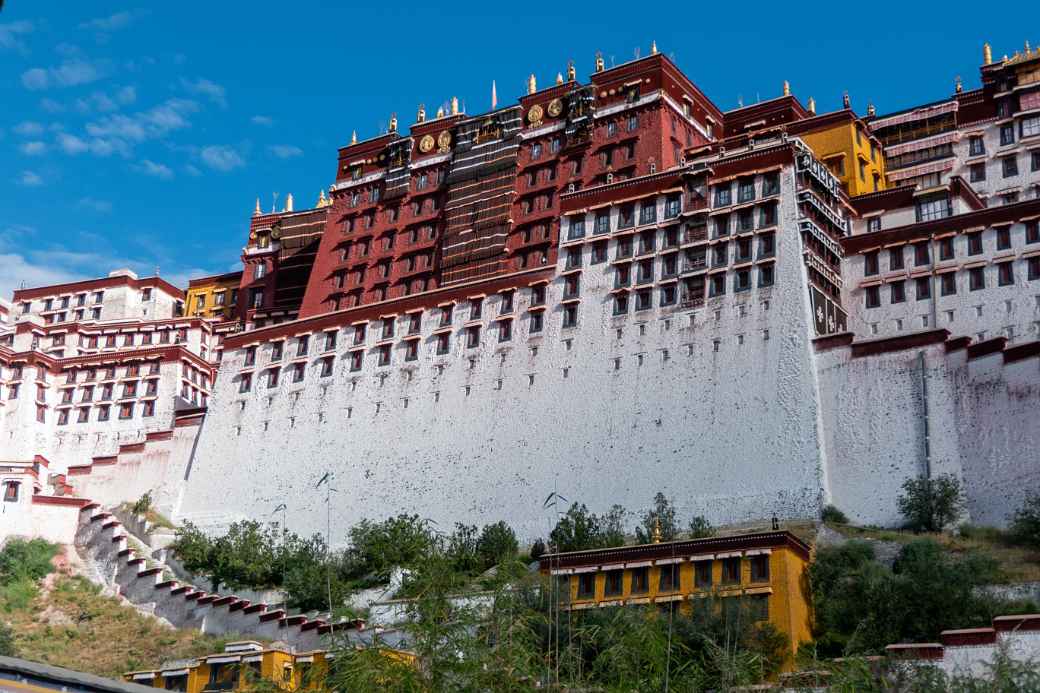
column 444, row 140
column 426, row 144
column 555, row 107
column 534, row 115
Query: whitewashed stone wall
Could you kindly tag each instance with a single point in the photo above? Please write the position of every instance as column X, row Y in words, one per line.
column 715, row 407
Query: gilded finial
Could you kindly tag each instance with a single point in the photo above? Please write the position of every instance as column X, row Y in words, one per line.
column 393, row 122
column 572, row 74
column 321, row 199
column 812, row 105
column 532, row 85
column 957, row 86
column 987, row 54
column 421, row 115
column 288, row 203
column 657, row 531
column 559, row 78
column 440, row 112
column 454, row 105
column 257, row 212
column 653, row 48
column 871, row 111
column 845, row 100
column 353, row 137
column 599, row 62
column 1028, row 50
column 787, row 88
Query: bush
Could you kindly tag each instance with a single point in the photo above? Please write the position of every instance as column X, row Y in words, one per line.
column 832, row 514
column 579, row 529
column 537, row 549
column 497, row 543
column 26, row 559
column 379, row 547
column 143, row 504
column 1025, row 522
column 929, row 505
column 663, row 515
column 700, row 528
column 6, row 641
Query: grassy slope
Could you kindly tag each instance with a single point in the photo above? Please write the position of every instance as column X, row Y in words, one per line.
column 70, row 624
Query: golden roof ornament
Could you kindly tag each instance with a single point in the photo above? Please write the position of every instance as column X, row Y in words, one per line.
column 440, row 112
column 957, row 85
column 571, row 72
column 787, row 88
column 532, row 85
column 421, row 115
column 845, row 100
column 599, row 62
column 257, row 212
column 454, row 105
column 322, row 202
column 812, row 105
column 559, row 78
column 653, row 48
column 987, row 54
column 353, row 137
column 871, row 111
column 288, row 203
column 656, row 538
column 393, row 122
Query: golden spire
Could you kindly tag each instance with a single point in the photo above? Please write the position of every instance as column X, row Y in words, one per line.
column 353, row 137
column 288, row 203
column 393, row 122
column 532, row 85
column 599, row 62
column 653, row 48
column 787, row 88
column 257, row 212
column 321, row 199
column 440, row 112
column 571, row 72
column 421, row 115
column 559, row 78
column 1028, row 50
column 871, row 111
column 657, row 531
column 454, row 105
column 987, row 54
column 957, row 86
column 812, row 105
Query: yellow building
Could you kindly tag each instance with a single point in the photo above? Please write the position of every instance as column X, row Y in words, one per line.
column 213, row 297
column 844, row 142
column 766, row 569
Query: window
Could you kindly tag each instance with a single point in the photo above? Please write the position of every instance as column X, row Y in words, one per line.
column 626, row 216
column 976, row 146
column 720, row 255
column 602, row 222
column 770, row 184
column 613, row 584
column 356, row 359
column 148, row 408
column 873, row 296
column 1029, row 126
column 475, row 307
column 411, row 350
column 923, row 286
column 921, row 254
column 272, row 377
column 1034, row 158
column 702, row 575
column 571, row 286
column 599, row 253
column 976, row 279
column 299, row 369
column 723, row 195
column 586, row 585
column 570, row 316
column 742, row 280
column 621, row 304
column 717, row 286
column 472, row 336
column 1034, row 268
column 946, row 248
column 743, row 250
column 948, row 284
column 673, row 205
column 721, row 226
column 977, row 172
column 1007, row 134
column 302, row 345
column 11, row 491
column 1003, row 238
column 746, row 189
column 103, row 412
column 759, row 568
column 633, row 123
column 259, row 270
column 384, row 355
column 648, row 212
column 975, row 243
column 536, row 150
column 731, row 571
column 1032, row 231
column 1005, row 274
column 573, row 258
column 668, row 579
column 535, row 323
column 644, row 299
column 765, row 275
column 897, row 292
column 1009, row 166
column 870, row 263
column 576, row 227
column 126, row 410
column 611, row 129
column 505, row 330
column 895, row 258
column 639, row 580
column 388, row 328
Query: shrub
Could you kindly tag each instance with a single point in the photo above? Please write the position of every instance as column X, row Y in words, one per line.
column 1025, row 522
column 832, row 514
column 6, row 641
column 700, row 528
column 462, row 549
column 378, row 547
column 26, row 559
column 497, row 543
column 143, row 504
column 579, row 529
column 929, row 505
column 537, row 549
column 664, row 513
column 18, row 594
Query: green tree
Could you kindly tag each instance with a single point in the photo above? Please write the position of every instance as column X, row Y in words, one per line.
column 1025, row 522
column 832, row 514
column 497, row 544
column 700, row 528
column 579, row 529
column 379, row 547
column 928, row 504
column 26, row 559
column 462, row 549
column 664, row 513
column 7, row 648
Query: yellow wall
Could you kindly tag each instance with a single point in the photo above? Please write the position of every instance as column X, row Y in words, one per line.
column 839, row 142
column 789, row 609
column 208, row 291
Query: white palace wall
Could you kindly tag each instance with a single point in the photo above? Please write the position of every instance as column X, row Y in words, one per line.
column 716, row 410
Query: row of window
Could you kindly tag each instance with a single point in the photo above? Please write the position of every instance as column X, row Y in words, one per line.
column 129, row 339
column 745, row 185
column 126, row 410
column 626, row 217
column 107, row 390
column 973, row 245
column 220, row 298
column 66, row 301
column 694, row 259
column 669, row 577
column 77, row 315
column 1008, row 167
column 948, row 283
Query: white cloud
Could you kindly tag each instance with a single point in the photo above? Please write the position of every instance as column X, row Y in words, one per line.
column 285, row 151
column 263, row 120
column 151, row 168
column 204, row 87
column 10, row 35
column 192, row 170
column 153, row 123
column 28, row 128
column 221, row 157
column 126, row 95
column 33, row 148
column 69, row 73
column 104, row 103
column 19, row 271
column 29, row 179
column 113, row 22
column 99, row 206
column 71, row 144
column 52, row 106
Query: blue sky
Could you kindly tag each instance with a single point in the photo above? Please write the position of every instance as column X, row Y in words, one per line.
column 140, row 134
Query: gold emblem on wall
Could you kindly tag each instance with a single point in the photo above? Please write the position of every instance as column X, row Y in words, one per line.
column 555, row 108
column 534, row 115
column 426, row 144
column 444, row 140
